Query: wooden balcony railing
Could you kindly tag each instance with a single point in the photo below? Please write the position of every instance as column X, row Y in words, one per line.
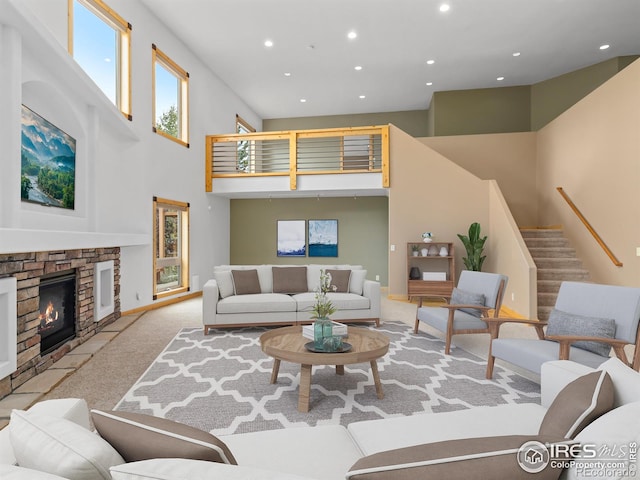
column 591, row 230
column 298, row 152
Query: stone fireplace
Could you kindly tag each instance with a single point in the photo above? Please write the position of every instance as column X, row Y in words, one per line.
column 57, row 286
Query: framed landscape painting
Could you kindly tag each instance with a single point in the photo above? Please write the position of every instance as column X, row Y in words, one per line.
column 323, row 238
column 291, row 238
column 48, row 163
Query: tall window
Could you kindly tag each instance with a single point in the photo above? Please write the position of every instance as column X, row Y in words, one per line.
column 100, row 41
column 170, row 98
column 246, row 154
column 170, row 247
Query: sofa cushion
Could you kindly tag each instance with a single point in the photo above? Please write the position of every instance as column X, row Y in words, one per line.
column 626, row 381
column 494, row 457
column 342, row 301
column 564, row 323
column 225, row 282
column 356, row 282
column 258, row 303
column 340, row 278
column 138, row 436
column 578, row 404
column 613, row 436
column 245, row 282
column 13, row 472
column 464, row 297
column 181, row 468
column 60, row 447
column 289, row 279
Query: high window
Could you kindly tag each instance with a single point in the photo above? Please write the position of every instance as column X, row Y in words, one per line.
column 100, row 41
column 246, row 153
column 170, row 98
column 170, row 247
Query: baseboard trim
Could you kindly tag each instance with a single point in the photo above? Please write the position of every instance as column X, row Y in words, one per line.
column 164, row 303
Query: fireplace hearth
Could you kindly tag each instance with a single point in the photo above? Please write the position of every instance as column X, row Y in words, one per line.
column 57, row 310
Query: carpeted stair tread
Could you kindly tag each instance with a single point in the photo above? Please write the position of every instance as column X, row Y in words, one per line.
column 568, row 274
column 559, row 263
column 542, row 232
column 552, row 252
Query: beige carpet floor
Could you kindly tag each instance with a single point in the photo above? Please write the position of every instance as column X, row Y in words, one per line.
column 108, row 375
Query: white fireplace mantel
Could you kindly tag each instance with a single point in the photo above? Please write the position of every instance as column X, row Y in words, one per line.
column 13, row 240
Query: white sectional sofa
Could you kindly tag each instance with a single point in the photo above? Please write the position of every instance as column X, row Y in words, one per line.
column 336, row 452
column 284, row 295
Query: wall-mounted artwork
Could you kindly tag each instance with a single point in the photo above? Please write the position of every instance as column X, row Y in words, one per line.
column 48, row 163
column 291, row 238
column 323, row 238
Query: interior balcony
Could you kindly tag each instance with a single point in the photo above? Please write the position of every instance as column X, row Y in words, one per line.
column 330, row 162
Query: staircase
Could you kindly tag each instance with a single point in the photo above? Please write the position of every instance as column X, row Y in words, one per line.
column 556, row 262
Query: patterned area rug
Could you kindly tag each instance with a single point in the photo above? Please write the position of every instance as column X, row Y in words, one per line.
column 220, row 383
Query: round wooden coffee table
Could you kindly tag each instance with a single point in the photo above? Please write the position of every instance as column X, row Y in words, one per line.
column 288, row 344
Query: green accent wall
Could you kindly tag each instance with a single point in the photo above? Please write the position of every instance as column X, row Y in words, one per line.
column 485, row 110
column 414, row 122
column 552, row 97
column 363, row 230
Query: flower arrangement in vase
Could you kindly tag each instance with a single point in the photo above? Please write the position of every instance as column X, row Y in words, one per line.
column 321, row 311
column 427, row 237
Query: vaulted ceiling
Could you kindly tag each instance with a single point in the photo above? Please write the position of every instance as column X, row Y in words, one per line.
column 310, row 69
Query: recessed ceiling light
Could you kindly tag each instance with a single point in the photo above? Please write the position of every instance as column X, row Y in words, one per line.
column 429, row 84
column 362, row 96
column 303, row 100
column 516, row 54
column 351, row 35
column 445, row 7
column 358, row 67
column 430, row 62
column 268, row 43
column 287, row 74
column 604, row 47
column 500, row 79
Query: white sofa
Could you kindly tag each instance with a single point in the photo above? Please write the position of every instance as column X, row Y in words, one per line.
column 273, row 304
column 328, row 452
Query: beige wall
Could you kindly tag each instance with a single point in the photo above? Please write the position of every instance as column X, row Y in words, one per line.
column 428, row 193
column 362, row 230
column 509, row 158
column 593, row 151
column 414, row 122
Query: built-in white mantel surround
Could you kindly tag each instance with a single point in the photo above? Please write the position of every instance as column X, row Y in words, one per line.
column 14, row 240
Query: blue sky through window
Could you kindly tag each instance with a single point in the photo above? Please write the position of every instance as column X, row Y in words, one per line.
column 167, row 90
column 95, row 49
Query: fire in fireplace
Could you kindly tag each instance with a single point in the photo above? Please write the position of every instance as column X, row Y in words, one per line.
column 57, row 310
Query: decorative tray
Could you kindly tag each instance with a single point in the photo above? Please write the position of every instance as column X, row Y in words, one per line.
column 345, row 348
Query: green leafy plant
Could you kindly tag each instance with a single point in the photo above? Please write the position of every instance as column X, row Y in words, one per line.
column 415, row 248
column 474, row 245
column 323, row 306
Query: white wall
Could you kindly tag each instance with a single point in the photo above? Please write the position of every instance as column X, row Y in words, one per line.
column 117, row 175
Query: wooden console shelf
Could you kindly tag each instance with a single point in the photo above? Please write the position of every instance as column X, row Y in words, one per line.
column 430, row 263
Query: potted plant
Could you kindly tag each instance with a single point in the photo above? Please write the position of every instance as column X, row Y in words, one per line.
column 474, row 245
column 414, row 250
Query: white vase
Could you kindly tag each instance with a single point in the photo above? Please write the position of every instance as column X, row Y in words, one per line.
column 424, row 252
column 444, row 251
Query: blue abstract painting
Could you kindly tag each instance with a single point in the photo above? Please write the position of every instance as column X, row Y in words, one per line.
column 323, row 238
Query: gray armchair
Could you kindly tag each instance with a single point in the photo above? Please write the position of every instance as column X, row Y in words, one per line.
column 588, row 320
column 472, row 301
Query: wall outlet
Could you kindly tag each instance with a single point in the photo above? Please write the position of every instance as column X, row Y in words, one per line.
column 638, row 251
column 393, row 248
column 377, row 278
column 513, row 297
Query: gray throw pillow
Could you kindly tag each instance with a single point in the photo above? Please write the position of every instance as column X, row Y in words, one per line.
column 464, row 297
column 245, row 282
column 340, row 278
column 578, row 404
column 564, row 323
column 289, row 279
